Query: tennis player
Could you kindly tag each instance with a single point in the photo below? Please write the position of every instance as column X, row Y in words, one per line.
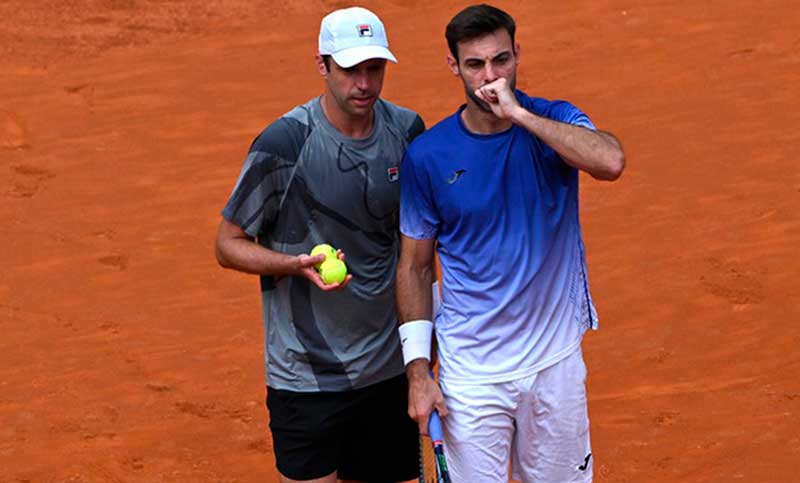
column 494, row 188
column 328, row 171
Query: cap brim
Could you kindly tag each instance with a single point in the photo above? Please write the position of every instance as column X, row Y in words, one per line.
column 355, row 55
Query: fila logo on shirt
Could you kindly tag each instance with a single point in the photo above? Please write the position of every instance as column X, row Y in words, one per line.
column 364, row 30
column 393, row 174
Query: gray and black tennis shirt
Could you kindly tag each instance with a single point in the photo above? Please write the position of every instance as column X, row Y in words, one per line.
column 305, row 183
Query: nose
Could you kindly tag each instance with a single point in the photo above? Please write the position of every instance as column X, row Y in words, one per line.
column 362, row 80
column 490, row 73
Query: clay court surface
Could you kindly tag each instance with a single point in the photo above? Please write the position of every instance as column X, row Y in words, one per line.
column 127, row 354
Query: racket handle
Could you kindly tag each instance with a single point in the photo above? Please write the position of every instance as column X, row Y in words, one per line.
column 435, row 426
column 434, row 422
column 435, row 430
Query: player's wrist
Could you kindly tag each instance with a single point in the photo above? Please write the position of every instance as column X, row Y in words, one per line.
column 418, row 372
column 415, row 339
column 293, row 264
column 519, row 115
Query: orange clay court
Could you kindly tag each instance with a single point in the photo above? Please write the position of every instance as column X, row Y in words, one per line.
column 128, row 355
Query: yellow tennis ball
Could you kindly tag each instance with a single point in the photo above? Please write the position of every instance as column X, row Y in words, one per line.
column 323, row 249
column 333, row 271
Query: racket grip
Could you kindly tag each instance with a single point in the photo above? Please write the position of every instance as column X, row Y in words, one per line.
column 435, row 426
column 434, row 421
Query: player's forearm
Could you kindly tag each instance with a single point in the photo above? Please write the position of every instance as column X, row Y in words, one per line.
column 415, row 274
column 595, row 152
column 414, row 303
column 414, row 291
column 248, row 256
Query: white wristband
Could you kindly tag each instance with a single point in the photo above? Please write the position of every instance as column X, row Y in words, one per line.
column 415, row 337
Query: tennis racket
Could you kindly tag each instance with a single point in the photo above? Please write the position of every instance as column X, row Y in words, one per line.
column 432, row 462
column 435, row 430
column 427, row 461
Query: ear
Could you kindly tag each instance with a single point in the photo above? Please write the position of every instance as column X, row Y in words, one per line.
column 516, row 53
column 320, row 65
column 452, row 63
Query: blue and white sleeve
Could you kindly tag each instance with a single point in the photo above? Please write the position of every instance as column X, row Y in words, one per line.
column 419, row 218
column 566, row 112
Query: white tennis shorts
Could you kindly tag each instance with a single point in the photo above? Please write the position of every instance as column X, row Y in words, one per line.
column 540, row 422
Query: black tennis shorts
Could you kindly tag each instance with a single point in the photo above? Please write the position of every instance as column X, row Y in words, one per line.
column 364, row 434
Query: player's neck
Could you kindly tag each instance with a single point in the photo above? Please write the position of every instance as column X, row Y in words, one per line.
column 478, row 121
column 357, row 127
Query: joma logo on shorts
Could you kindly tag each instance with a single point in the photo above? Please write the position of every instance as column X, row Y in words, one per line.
column 585, row 462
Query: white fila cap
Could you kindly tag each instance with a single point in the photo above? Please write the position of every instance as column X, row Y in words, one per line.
column 353, row 35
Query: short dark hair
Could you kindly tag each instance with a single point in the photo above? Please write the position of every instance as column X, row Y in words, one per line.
column 326, row 59
column 476, row 21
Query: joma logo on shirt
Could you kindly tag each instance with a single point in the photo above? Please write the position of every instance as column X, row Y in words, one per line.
column 456, row 174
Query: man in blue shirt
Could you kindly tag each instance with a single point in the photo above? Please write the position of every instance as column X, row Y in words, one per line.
column 494, row 188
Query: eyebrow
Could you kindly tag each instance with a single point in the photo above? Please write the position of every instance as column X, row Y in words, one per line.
column 481, row 59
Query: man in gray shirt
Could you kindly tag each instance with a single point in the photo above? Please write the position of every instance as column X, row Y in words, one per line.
column 327, row 172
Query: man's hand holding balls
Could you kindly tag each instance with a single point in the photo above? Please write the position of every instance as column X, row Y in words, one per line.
column 326, row 268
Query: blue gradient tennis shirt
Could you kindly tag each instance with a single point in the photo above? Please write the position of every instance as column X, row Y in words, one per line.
column 504, row 210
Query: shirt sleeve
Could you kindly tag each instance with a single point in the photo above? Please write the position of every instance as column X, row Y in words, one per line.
column 417, row 128
column 255, row 201
column 566, row 112
column 556, row 171
column 419, row 218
